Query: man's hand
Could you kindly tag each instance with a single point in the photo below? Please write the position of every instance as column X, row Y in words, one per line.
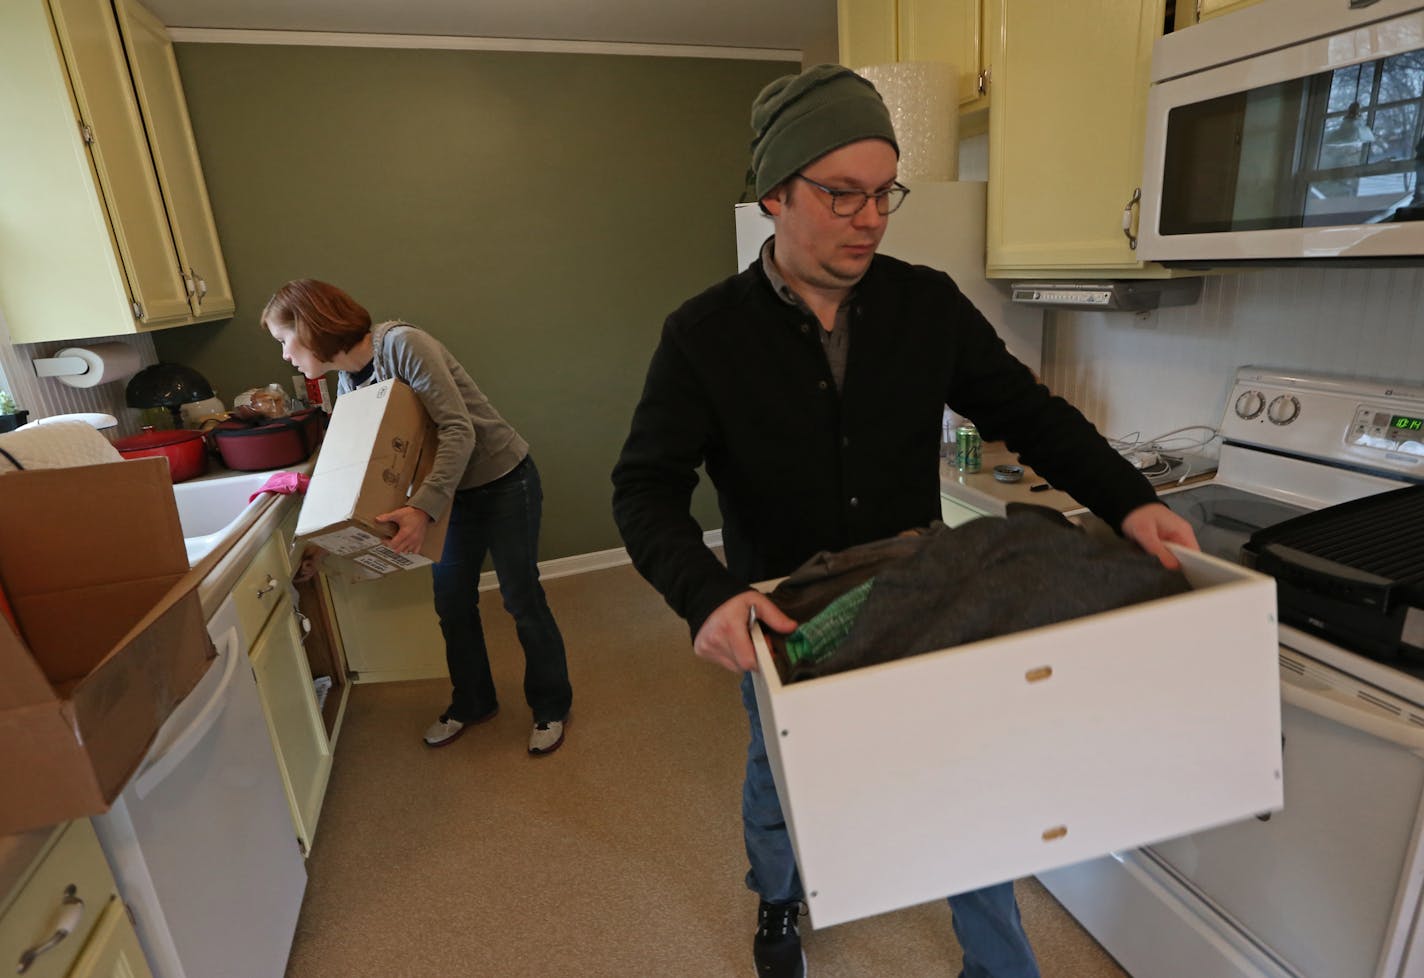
column 410, row 528
column 1153, row 526
column 724, row 638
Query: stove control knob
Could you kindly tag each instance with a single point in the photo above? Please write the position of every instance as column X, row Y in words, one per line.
column 1283, row 409
column 1250, row 404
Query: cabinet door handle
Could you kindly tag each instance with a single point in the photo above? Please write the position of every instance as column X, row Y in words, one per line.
column 71, row 911
column 271, row 583
column 982, row 84
column 1127, row 218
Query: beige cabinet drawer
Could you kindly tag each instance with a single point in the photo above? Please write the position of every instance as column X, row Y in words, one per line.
column 1046, row 747
column 262, row 585
column 114, row 951
column 45, row 901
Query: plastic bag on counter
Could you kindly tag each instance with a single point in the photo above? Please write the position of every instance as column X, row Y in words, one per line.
column 270, row 401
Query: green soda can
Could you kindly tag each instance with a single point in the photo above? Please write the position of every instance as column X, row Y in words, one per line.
column 967, row 448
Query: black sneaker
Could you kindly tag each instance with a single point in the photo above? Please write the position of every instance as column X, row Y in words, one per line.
column 777, row 945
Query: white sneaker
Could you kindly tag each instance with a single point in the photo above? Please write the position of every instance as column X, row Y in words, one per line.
column 446, row 729
column 546, row 737
column 443, row 731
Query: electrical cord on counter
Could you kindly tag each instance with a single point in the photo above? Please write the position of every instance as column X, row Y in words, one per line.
column 1154, row 457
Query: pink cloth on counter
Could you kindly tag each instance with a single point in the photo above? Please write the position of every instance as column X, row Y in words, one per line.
column 283, row 483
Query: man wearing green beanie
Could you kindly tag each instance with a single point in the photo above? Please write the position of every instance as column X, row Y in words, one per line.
column 812, row 386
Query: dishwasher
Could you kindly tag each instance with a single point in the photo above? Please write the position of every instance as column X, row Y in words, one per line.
column 201, row 840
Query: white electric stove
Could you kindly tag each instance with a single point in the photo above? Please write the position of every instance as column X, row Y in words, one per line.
column 1329, row 887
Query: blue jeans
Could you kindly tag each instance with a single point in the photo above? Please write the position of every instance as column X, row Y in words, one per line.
column 985, row 921
column 500, row 518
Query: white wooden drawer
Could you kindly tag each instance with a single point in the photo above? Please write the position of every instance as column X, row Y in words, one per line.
column 75, row 860
column 262, row 585
column 940, row 773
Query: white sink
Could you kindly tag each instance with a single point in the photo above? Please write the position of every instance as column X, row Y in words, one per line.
column 211, row 509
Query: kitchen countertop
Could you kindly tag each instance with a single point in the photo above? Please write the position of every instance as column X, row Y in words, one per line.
column 981, row 491
column 220, row 568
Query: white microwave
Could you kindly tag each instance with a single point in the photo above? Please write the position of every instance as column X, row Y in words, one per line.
column 1291, row 131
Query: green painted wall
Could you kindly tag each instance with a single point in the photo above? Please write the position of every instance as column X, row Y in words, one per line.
column 539, row 213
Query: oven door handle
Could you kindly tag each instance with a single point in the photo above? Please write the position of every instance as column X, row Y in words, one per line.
column 1349, row 712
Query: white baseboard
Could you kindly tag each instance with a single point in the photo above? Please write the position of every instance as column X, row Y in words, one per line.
column 583, row 563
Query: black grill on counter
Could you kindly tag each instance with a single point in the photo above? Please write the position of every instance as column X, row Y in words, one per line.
column 1352, row 573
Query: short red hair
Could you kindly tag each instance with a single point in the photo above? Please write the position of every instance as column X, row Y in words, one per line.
column 324, row 319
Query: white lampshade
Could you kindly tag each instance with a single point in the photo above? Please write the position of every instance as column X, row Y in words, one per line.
column 923, row 99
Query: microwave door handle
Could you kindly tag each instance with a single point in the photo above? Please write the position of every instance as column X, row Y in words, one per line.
column 1348, row 712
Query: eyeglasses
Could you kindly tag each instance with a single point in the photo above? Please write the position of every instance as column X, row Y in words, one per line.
column 848, row 203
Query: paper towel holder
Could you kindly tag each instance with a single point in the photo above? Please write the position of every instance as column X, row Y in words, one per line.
column 60, row 366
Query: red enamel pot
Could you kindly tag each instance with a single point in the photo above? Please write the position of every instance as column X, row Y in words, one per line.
column 186, row 453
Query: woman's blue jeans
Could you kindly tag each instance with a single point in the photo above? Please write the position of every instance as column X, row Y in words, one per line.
column 500, row 518
column 985, row 921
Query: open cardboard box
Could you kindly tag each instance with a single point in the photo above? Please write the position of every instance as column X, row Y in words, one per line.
column 914, row 779
column 379, row 446
column 111, row 633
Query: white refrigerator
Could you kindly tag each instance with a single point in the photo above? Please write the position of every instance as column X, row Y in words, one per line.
column 941, row 224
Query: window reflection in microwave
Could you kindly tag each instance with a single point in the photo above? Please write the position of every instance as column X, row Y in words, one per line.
column 1341, row 147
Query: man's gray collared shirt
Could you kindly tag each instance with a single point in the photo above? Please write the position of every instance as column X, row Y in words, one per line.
column 836, row 342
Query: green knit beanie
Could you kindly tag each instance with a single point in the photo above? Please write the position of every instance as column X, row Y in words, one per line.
column 800, row 118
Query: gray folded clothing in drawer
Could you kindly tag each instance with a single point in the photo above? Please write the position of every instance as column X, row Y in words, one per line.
column 989, row 577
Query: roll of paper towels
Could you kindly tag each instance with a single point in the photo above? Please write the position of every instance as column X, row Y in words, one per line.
column 104, row 362
column 923, row 99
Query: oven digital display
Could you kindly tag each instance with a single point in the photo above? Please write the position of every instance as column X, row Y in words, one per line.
column 1400, row 422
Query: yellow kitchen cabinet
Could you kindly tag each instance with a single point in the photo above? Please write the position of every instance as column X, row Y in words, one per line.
column 165, row 116
column 956, row 32
column 113, row 951
column 1066, row 137
column 104, row 217
column 69, row 890
column 388, row 627
column 867, row 33
column 1195, row 11
column 299, row 736
column 326, row 656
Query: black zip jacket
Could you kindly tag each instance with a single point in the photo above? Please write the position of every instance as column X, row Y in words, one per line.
column 739, row 382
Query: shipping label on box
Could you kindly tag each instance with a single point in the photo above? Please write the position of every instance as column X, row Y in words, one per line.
column 378, row 448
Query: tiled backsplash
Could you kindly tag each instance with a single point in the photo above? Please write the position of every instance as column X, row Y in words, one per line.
column 1175, row 367
column 44, row 396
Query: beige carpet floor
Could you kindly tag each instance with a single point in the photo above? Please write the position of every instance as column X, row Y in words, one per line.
column 619, row 855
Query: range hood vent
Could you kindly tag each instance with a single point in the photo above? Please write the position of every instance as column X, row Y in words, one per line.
column 1138, row 295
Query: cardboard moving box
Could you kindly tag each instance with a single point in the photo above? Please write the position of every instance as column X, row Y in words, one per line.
column 911, row 780
column 111, row 633
column 379, row 446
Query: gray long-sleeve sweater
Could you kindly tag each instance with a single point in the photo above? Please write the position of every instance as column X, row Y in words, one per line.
column 475, row 445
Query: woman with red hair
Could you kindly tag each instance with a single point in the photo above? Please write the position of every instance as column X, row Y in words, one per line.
column 483, row 475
